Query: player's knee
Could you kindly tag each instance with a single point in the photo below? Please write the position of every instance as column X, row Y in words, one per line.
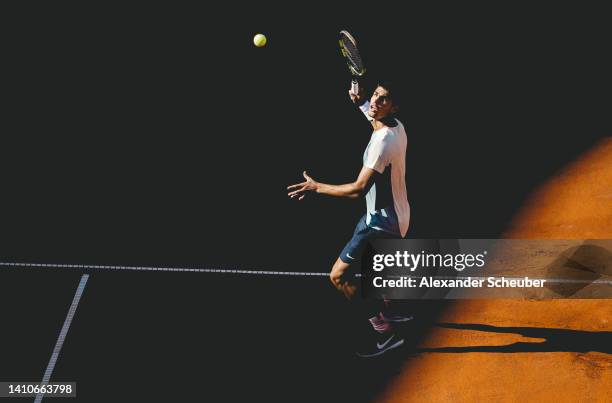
column 338, row 275
column 335, row 277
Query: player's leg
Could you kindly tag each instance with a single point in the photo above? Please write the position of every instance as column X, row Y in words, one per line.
column 343, row 279
column 342, row 274
column 340, row 277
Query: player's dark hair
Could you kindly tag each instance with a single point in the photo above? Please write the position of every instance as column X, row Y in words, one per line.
column 392, row 88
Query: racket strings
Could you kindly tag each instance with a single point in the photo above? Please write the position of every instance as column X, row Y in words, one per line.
column 352, row 54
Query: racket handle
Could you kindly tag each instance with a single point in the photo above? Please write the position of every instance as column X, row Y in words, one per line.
column 355, row 87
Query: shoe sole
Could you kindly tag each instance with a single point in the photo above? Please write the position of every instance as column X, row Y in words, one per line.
column 382, row 351
column 400, row 319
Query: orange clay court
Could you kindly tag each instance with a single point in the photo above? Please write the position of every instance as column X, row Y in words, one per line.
column 527, row 350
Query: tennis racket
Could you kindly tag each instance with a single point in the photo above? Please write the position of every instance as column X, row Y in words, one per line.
column 348, row 47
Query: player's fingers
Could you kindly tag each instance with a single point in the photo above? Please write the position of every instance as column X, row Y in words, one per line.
column 306, row 175
column 296, row 192
column 302, row 196
column 297, row 185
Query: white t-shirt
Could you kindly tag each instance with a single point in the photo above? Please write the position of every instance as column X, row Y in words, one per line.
column 386, row 154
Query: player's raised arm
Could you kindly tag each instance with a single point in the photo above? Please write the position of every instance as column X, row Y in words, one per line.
column 361, row 101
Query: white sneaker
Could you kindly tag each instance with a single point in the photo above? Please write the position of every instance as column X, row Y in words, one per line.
column 383, row 343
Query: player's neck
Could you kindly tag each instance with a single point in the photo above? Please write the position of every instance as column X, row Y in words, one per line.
column 384, row 122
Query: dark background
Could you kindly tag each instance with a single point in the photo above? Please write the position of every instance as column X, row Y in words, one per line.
column 161, row 136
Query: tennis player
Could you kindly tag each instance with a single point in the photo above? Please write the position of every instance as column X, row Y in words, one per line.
column 382, row 181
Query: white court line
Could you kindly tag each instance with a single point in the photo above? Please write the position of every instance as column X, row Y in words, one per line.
column 62, row 336
column 147, row 268
column 268, row 272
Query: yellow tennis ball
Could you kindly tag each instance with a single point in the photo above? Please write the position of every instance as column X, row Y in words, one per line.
column 260, row 40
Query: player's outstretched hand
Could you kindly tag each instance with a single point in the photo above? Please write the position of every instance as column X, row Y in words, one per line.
column 299, row 189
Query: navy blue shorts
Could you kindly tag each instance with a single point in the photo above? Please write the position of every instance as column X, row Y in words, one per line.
column 354, row 249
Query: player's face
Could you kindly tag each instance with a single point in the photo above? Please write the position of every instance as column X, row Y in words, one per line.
column 381, row 105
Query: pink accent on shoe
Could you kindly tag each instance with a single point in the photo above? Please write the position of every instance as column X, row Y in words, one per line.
column 380, row 323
